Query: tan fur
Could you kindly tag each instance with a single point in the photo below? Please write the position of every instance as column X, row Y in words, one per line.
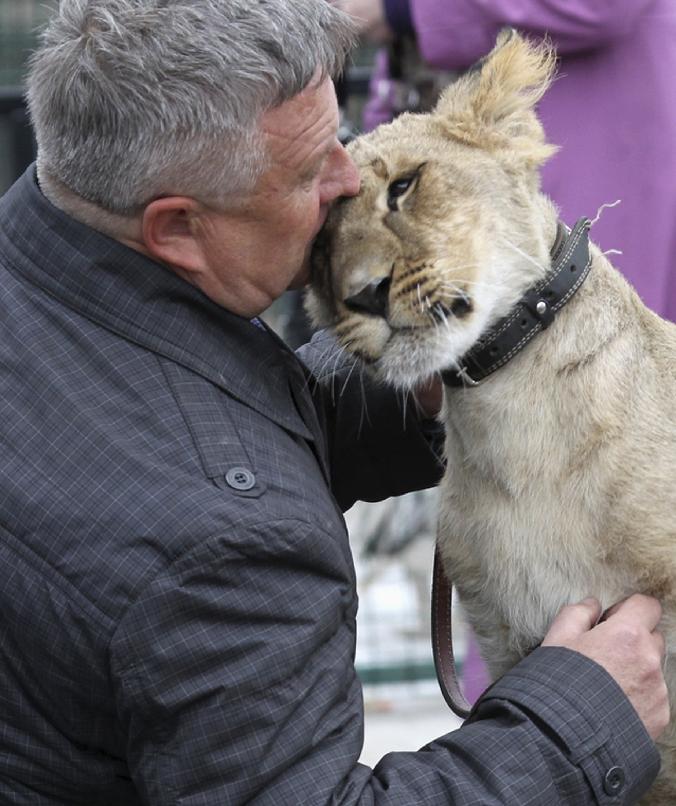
column 561, row 479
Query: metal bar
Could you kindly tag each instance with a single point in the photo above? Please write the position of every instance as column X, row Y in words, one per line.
column 397, row 672
column 11, row 99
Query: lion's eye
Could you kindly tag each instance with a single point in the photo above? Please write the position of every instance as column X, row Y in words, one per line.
column 397, row 189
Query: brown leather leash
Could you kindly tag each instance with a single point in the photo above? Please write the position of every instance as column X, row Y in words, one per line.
column 442, row 641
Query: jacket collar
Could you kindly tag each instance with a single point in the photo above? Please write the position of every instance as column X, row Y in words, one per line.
column 145, row 303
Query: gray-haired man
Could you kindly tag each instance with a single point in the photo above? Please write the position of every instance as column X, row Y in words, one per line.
column 177, row 592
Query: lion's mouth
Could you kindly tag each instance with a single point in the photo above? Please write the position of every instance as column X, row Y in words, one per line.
column 461, row 306
column 458, row 308
column 373, row 300
column 378, row 331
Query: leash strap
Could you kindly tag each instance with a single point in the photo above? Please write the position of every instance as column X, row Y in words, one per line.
column 442, row 641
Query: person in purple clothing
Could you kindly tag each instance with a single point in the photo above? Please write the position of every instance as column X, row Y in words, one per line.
column 612, row 109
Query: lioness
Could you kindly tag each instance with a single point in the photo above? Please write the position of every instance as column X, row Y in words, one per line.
column 561, row 479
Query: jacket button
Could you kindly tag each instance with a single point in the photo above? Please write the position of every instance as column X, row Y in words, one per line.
column 240, row 478
column 613, row 783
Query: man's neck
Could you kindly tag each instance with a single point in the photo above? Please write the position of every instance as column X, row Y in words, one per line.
column 126, row 229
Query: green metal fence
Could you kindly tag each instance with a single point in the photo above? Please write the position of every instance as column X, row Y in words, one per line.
column 20, row 21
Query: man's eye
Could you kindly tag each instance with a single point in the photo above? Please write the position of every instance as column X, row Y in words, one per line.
column 398, row 188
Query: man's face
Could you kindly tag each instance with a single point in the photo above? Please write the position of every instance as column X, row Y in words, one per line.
column 262, row 248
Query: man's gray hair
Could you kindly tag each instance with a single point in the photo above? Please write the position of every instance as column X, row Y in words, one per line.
column 136, row 99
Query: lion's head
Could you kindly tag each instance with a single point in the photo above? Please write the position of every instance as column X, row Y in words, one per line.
column 449, row 227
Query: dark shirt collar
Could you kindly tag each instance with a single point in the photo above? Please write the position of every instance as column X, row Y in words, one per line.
column 399, row 16
column 145, row 302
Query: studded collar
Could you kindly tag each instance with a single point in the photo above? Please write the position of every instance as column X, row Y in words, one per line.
column 535, row 311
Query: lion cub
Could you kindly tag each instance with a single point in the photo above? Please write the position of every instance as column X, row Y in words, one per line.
column 561, row 478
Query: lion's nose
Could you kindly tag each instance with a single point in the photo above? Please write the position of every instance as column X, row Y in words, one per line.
column 372, row 298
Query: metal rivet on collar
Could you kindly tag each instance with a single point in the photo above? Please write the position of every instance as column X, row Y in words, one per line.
column 541, row 307
column 240, row 478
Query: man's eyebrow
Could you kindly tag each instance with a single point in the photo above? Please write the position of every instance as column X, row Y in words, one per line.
column 328, row 148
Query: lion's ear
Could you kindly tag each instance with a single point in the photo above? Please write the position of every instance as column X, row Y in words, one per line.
column 492, row 104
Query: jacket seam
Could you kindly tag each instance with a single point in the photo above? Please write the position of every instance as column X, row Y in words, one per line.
column 188, row 360
column 160, row 361
column 169, row 569
column 40, row 564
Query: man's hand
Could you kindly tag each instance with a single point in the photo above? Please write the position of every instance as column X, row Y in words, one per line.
column 369, row 17
column 628, row 646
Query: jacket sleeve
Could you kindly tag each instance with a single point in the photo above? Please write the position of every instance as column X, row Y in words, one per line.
column 555, row 729
column 378, row 444
column 452, row 34
column 235, row 684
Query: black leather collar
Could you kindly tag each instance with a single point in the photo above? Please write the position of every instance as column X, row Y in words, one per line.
column 571, row 261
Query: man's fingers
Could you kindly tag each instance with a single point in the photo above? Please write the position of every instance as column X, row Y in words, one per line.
column 627, row 644
column 640, row 610
column 634, row 614
column 572, row 621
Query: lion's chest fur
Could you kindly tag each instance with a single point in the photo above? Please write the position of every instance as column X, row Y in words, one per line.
column 560, row 481
column 510, row 540
column 518, row 555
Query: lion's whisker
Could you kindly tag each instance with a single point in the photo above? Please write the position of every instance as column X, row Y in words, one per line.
column 524, row 255
column 457, row 285
column 603, row 207
column 457, row 266
column 349, row 375
column 321, row 360
column 364, row 413
column 339, row 355
column 314, row 379
column 404, row 399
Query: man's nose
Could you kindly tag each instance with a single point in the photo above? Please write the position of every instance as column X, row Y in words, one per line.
column 344, row 179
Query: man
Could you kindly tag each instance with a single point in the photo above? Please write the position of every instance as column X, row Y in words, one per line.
column 178, row 603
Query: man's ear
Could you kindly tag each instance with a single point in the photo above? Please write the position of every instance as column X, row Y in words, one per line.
column 170, row 233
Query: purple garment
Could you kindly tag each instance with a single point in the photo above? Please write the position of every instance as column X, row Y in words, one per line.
column 612, row 110
column 475, row 677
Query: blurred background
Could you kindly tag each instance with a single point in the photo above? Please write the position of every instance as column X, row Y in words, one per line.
column 19, row 22
column 393, row 542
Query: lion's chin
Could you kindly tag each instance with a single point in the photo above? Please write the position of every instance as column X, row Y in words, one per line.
column 412, row 357
column 405, row 357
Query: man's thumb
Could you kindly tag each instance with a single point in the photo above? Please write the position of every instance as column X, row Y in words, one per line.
column 572, row 621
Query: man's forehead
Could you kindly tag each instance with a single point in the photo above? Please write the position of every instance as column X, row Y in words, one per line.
column 305, row 124
column 315, row 104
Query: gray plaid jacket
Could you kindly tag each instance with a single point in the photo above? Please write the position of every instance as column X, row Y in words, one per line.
column 177, row 597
